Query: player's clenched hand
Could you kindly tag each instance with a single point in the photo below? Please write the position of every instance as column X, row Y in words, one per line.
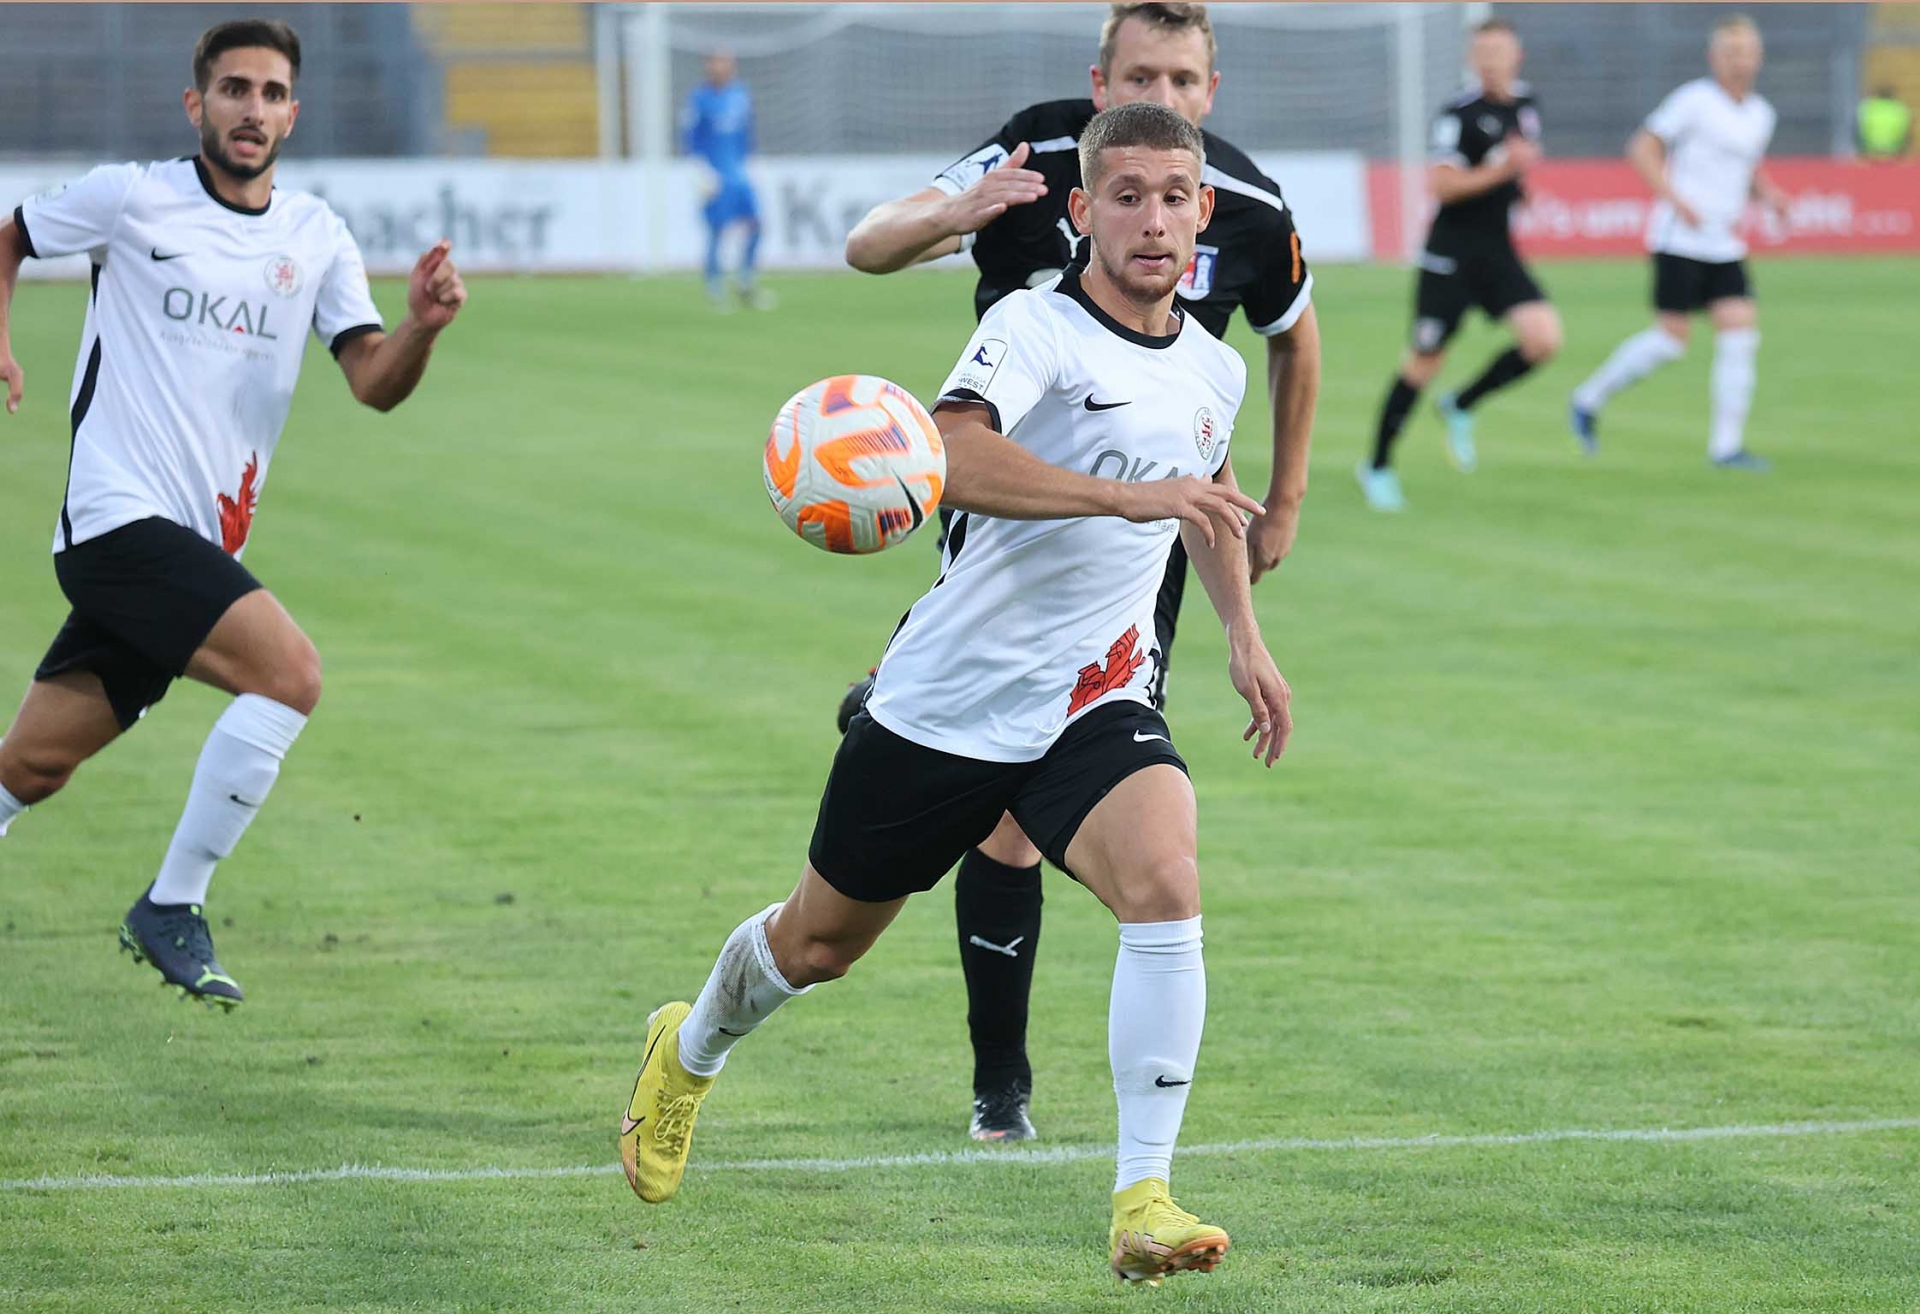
column 1269, row 699
column 1522, row 152
column 1008, row 184
column 15, row 379
column 434, row 290
column 1270, row 538
column 1684, row 212
column 1202, row 503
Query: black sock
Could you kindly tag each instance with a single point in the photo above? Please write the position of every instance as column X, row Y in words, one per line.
column 1393, row 415
column 1000, row 905
column 1504, row 369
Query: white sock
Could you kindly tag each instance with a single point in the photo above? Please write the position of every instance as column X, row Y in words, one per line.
column 10, row 807
column 1634, row 359
column 1733, row 376
column 1154, row 1020
column 741, row 992
column 237, row 768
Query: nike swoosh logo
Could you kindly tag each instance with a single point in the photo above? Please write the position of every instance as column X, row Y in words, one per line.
column 1093, row 405
column 1008, row 948
column 175, row 256
column 1139, row 738
column 919, row 517
column 242, row 802
column 627, row 1121
column 735, row 1034
column 1162, row 1081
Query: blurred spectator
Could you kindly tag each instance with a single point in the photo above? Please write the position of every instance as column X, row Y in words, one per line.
column 1884, row 126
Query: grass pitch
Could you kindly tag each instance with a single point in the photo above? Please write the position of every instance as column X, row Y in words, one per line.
column 1600, row 815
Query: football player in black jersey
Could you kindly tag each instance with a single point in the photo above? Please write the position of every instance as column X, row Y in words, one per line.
column 1006, row 202
column 1484, row 142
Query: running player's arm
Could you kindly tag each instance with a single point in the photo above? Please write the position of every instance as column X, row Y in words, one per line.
column 384, row 368
column 940, row 219
column 1450, row 178
column 1221, row 563
column 1647, row 149
column 1280, row 308
column 13, row 251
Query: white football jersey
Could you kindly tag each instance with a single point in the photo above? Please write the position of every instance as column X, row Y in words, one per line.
column 1033, row 623
column 1714, row 147
column 194, row 335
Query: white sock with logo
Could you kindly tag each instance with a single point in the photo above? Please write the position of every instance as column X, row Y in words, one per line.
column 10, row 807
column 237, row 768
column 1154, row 1019
column 1734, row 351
column 1634, row 359
column 741, row 992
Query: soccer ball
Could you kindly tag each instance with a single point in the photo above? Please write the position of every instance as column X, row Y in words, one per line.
column 854, row 464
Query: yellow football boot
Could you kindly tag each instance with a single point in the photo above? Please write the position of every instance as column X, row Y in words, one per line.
column 656, row 1130
column 1152, row 1236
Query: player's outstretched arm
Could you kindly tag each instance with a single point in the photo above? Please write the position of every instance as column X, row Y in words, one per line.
column 1221, row 564
column 929, row 224
column 992, row 475
column 1293, row 387
column 383, row 369
column 13, row 252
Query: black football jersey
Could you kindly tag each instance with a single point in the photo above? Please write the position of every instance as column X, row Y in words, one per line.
column 1248, row 257
column 1465, row 133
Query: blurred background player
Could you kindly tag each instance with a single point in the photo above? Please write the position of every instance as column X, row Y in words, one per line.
column 719, row 131
column 1700, row 154
column 1006, row 202
column 1883, row 126
column 1484, row 142
column 206, row 279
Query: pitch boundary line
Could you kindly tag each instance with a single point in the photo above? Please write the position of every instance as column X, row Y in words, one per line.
column 1044, row 1157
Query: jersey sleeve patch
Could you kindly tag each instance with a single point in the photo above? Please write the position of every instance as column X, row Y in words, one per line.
column 976, row 372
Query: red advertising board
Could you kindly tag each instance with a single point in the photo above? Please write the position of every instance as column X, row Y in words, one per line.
column 1600, row 208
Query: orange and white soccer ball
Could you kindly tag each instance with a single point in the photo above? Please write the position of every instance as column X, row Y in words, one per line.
column 854, row 464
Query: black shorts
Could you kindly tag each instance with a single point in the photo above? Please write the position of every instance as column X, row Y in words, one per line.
column 1450, row 284
column 895, row 816
column 1682, row 284
column 1166, row 608
column 145, row 597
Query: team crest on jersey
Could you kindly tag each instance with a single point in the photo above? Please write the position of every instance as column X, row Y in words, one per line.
column 1205, row 434
column 1196, row 283
column 283, row 275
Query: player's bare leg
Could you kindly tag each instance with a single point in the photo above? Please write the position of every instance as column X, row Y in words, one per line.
column 816, row 935
column 1136, row 852
column 63, row 721
column 996, row 905
column 259, row 655
column 1736, row 346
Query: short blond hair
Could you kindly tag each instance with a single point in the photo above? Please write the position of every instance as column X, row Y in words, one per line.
column 1735, row 23
column 1162, row 18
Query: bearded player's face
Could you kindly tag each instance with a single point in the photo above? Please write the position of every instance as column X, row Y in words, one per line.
column 246, row 111
column 1145, row 213
column 1166, row 66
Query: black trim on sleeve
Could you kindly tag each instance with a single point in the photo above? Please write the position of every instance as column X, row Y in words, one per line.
column 346, row 335
column 206, row 181
column 970, row 397
column 26, row 238
column 1070, row 284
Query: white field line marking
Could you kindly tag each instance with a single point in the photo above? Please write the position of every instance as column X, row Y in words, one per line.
column 1048, row 1156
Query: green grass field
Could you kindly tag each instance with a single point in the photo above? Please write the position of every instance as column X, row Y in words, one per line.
column 1601, row 815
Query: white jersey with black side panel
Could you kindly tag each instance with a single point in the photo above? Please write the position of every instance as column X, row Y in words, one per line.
column 1033, row 623
column 194, row 335
column 1715, row 145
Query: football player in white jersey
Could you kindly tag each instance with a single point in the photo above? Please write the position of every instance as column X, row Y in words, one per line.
column 1700, row 154
column 1087, row 423
column 206, row 280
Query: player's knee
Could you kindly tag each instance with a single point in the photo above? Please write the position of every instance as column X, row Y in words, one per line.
column 295, row 680
column 1541, row 344
column 35, row 773
column 1677, row 329
column 820, row 960
column 1161, row 890
column 1421, row 367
